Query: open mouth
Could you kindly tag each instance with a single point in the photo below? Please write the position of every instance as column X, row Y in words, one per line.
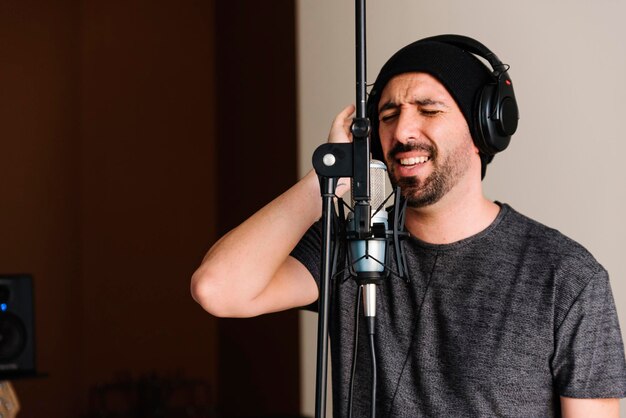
column 413, row 161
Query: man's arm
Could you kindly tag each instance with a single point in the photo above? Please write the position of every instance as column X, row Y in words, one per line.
column 589, row 408
column 249, row 272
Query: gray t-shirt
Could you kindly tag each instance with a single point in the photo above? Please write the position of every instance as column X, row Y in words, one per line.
column 499, row 324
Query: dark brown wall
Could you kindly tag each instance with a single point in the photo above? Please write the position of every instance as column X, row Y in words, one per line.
column 256, row 113
column 114, row 184
column 148, row 184
column 108, row 190
column 40, row 209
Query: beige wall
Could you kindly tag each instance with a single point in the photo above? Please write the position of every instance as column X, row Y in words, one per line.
column 567, row 62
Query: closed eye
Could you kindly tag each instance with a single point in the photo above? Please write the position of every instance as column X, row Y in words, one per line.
column 388, row 117
column 430, row 112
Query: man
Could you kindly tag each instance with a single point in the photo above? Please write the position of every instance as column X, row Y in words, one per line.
column 502, row 316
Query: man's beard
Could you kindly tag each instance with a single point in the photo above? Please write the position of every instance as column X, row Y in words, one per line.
column 420, row 193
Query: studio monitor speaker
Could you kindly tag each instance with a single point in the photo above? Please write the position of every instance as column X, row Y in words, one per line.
column 17, row 339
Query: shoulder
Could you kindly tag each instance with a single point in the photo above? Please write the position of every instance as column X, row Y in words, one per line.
column 545, row 244
column 549, row 258
column 557, row 263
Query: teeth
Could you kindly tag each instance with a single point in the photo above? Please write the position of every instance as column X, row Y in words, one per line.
column 414, row 160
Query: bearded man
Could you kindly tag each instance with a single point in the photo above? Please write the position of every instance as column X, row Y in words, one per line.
column 502, row 316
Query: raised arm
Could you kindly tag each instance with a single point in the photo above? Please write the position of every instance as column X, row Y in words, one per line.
column 249, row 272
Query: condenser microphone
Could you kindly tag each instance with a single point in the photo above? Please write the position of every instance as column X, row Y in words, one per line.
column 368, row 255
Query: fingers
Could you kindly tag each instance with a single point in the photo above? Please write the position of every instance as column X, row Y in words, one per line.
column 340, row 128
column 347, row 111
column 343, row 186
column 340, row 132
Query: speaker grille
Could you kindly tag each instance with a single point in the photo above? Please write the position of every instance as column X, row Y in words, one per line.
column 17, row 339
column 12, row 337
column 378, row 176
column 378, row 179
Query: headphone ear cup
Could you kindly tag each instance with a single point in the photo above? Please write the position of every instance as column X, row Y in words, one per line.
column 497, row 117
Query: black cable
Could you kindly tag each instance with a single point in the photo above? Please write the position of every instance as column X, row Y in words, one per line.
column 413, row 340
column 355, row 348
column 374, row 377
column 370, row 331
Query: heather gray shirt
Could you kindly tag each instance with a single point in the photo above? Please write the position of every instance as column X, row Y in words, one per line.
column 498, row 324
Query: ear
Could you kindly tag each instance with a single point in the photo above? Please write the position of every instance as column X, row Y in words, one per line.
column 474, row 147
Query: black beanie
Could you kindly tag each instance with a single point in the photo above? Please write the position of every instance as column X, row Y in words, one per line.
column 460, row 72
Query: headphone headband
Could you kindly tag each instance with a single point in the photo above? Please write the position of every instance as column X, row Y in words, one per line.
column 470, row 45
column 497, row 112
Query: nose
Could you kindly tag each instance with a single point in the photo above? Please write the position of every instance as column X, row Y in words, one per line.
column 408, row 126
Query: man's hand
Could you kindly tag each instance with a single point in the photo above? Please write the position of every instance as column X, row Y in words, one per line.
column 340, row 129
column 340, row 133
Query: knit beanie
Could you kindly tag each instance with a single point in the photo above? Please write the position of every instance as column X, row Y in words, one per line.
column 460, row 72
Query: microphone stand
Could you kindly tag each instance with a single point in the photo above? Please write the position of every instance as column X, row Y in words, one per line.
column 332, row 161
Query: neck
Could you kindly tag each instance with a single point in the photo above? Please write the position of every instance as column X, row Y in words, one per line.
column 461, row 213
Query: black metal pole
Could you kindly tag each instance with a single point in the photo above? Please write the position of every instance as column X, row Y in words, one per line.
column 361, row 60
column 360, row 133
column 328, row 187
column 331, row 163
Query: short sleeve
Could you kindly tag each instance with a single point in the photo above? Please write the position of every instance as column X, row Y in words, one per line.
column 308, row 250
column 588, row 361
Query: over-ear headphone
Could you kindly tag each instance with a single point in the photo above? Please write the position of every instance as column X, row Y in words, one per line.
column 496, row 108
